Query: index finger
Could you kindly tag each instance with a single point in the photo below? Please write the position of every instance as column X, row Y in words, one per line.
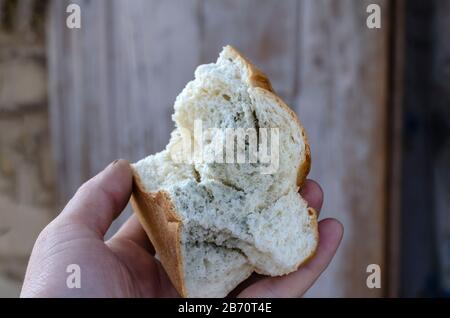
column 101, row 199
column 297, row 283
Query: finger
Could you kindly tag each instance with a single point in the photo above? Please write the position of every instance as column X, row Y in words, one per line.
column 313, row 194
column 298, row 282
column 101, row 199
column 133, row 231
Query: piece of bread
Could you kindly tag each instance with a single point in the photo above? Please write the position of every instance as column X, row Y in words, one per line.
column 213, row 224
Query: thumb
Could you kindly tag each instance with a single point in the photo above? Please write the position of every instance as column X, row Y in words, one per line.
column 101, row 199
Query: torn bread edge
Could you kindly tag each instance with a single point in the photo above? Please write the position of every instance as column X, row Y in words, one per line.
column 157, row 214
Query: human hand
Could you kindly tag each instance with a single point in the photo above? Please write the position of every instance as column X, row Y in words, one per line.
column 125, row 266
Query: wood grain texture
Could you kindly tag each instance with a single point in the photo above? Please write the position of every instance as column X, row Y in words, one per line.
column 440, row 117
column 418, row 253
column 342, row 102
column 114, row 81
column 426, row 151
column 27, row 187
column 264, row 30
column 2, row 7
column 24, row 13
column 441, row 203
column 395, row 142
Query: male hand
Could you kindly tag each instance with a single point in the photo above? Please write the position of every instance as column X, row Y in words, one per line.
column 125, row 266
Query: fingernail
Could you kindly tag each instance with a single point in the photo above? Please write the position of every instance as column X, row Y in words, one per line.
column 112, row 164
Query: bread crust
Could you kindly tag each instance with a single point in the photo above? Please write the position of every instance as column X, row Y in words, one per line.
column 156, row 211
column 315, row 224
column 158, row 217
column 258, row 79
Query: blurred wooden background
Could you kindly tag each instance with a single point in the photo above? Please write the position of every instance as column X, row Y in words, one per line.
column 113, row 82
column 28, row 196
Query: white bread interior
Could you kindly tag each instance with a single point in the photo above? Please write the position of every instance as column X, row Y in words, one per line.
column 213, row 224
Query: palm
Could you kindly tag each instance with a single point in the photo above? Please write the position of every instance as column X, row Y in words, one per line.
column 143, row 275
column 116, row 268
